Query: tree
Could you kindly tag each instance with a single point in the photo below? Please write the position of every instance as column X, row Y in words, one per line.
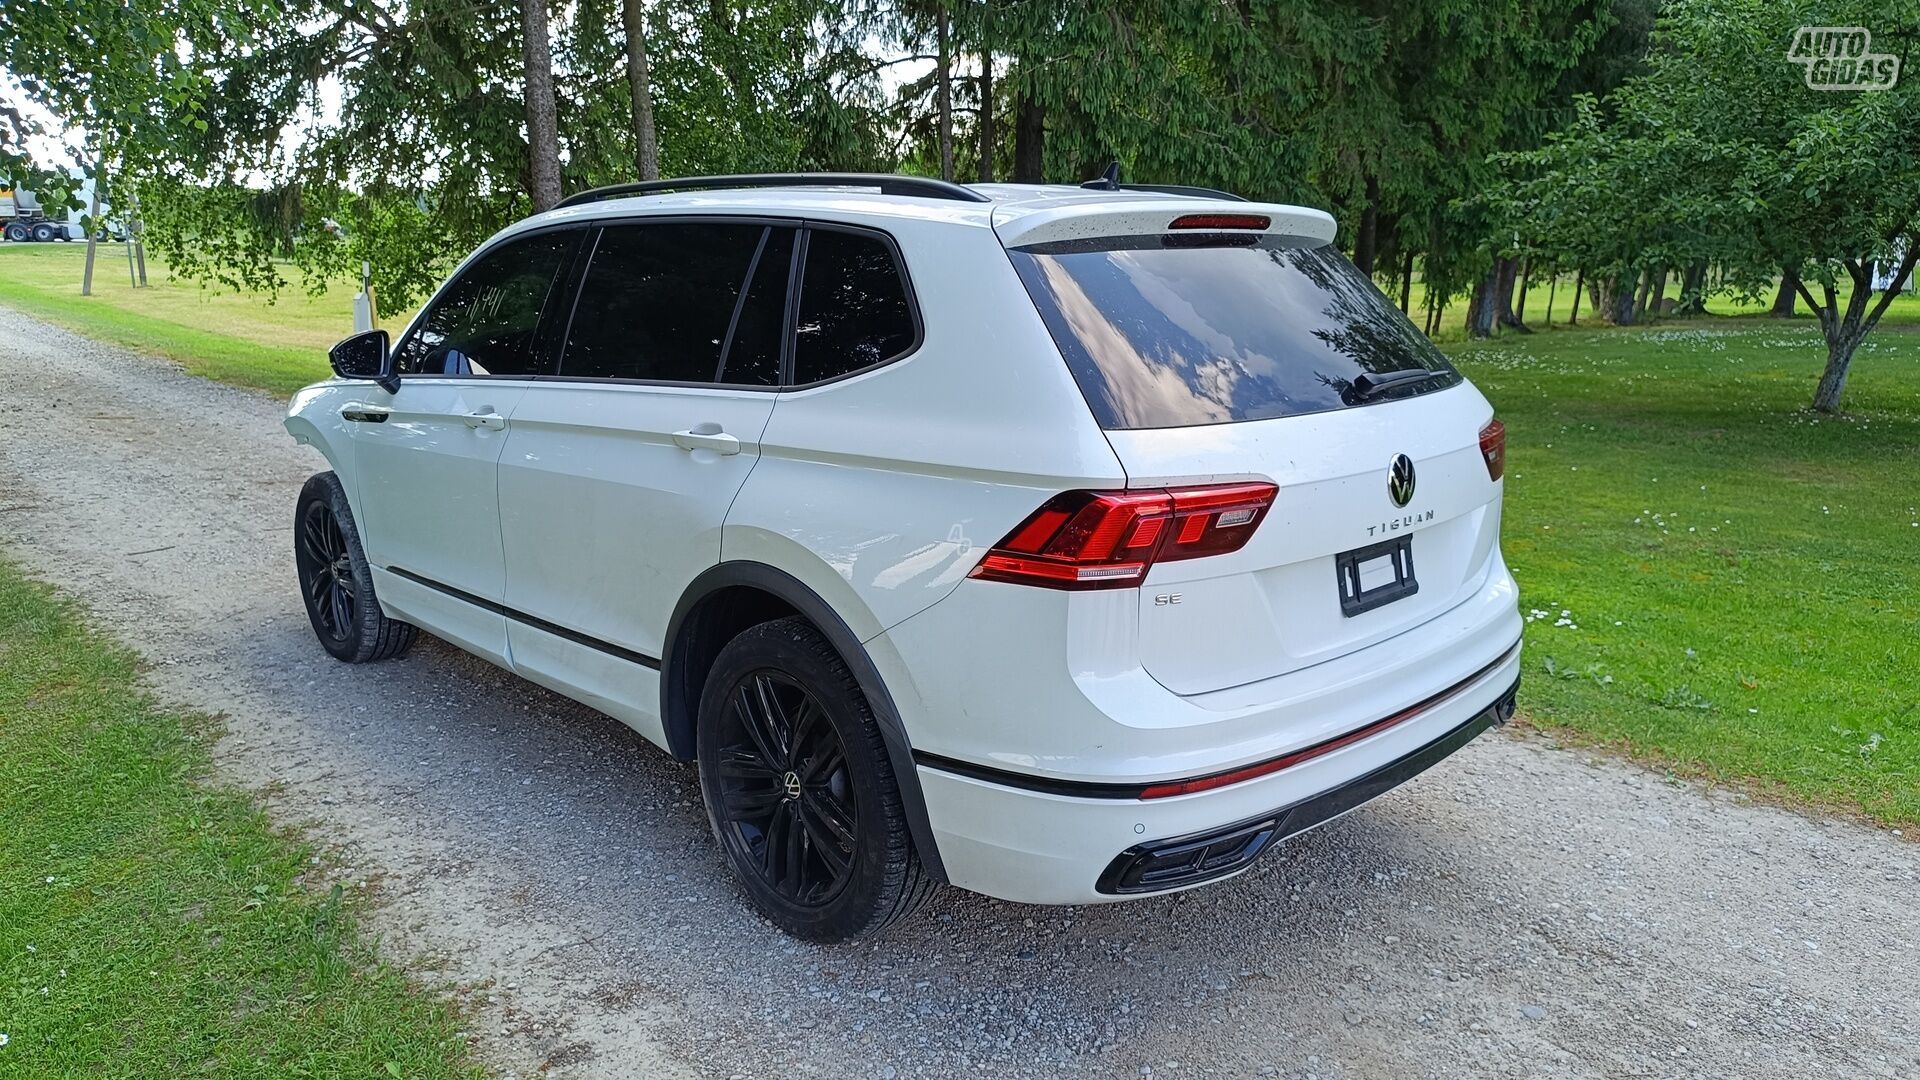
column 127, row 73
column 646, row 140
column 944, row 89
column 543, row 127
column 1717, row 152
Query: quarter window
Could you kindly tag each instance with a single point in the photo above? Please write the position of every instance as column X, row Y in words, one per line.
column 485, row 321
column 658, row 299
column 854, row 311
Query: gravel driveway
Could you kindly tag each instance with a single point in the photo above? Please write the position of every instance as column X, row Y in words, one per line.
column 1520, row 911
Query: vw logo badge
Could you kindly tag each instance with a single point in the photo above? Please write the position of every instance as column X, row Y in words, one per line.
column 1400, row 480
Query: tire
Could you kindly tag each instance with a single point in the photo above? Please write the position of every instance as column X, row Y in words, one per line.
column 336, row 584
column 43, row 233
column 18, row 232
column 805, row 807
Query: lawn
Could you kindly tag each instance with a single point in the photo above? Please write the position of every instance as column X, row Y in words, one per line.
column 1719, row 581
column 152, row 923
column 234, row 337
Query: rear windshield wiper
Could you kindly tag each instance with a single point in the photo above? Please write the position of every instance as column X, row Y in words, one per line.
column 1370, row 384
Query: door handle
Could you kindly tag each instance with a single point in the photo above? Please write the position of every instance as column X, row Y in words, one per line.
column 707, row 435
column 485, row 417
column 361, row 413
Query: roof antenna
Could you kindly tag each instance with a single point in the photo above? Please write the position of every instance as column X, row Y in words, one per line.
column 1106, row 181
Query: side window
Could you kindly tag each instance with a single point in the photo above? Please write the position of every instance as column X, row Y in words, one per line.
column 854, row 311
column 484, row 323
column 753, row 358
column 657, row 300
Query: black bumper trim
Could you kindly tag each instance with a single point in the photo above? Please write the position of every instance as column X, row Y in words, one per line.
column 1217, row 852
column 1090, row 789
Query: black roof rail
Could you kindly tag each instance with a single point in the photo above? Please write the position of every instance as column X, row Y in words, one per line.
column 888, row 183
column 1183, row 189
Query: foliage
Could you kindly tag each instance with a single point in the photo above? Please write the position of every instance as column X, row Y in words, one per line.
column 124, row 73
column 1719, row 152
column 428, row 156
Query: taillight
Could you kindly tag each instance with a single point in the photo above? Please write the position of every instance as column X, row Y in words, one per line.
column 1493, row 448
column 1108, row 539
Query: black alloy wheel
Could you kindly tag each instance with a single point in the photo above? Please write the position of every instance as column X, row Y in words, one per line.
column 336, row 584
column 786, row 796
column 800, row 789
column 326, row 572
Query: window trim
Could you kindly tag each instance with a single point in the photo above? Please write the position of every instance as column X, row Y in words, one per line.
column 563, row 279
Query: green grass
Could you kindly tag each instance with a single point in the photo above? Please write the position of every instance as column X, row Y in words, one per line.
column 153, row 923
column 231, row 337
column 1744, row 575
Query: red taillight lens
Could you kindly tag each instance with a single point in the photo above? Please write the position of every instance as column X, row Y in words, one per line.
column 1221, row 221
column 1493, row 448
column 1108, row 539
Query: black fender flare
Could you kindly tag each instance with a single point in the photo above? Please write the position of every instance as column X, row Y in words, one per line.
column 679, row 698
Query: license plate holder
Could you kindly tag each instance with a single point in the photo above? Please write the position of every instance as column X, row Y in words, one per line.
column 1374, row 575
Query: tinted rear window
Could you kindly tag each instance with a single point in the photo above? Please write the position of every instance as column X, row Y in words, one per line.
column 657, row 301
column 1178, row 331
column 854, row 311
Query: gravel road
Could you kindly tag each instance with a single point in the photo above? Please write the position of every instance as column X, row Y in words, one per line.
column 1522, row 910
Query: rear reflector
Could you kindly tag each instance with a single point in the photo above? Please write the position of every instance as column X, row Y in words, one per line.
column 1221, row 221
column 1493, row 448
column 1109, row 539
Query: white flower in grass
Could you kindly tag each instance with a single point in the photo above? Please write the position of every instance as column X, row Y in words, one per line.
column 3, row 1038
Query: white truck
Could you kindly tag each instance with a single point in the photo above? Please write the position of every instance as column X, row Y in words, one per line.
column 23, row 218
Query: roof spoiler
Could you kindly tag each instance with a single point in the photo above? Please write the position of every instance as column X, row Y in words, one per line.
column 1019, row 226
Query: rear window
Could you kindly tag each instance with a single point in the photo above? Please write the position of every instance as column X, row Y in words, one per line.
column 1178, row 331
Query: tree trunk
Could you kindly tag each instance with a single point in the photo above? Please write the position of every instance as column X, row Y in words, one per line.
column 1029, row 141
column 1406, row 280
column 93, row 228
column 1506, row 275
column 1520, row 305
column 1553, row 290
column 646, row 144
column 1692, row 290
column 1613, row 299
column 943, row 92
column 1640, row 296
column 1657, row 296
column 1367, row 243
column 1579, row 282
column 986, row 117
column 1833, row 381
column 543, row 128
column 1483, row 304
column 1783, row 300
column 1623, row 304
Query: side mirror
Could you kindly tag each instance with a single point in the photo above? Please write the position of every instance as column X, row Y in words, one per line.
column 365, row 356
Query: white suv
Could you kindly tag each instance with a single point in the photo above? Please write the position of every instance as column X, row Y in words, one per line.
column 1066, row 545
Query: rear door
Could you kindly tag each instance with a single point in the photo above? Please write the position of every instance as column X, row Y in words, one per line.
column 619, row 470
column 1228, row 353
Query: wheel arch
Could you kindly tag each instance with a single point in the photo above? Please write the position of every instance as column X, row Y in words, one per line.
column 728, row 598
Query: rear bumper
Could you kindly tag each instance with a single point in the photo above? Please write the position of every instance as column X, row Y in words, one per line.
column 1039, row 843
column 1217, row 853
